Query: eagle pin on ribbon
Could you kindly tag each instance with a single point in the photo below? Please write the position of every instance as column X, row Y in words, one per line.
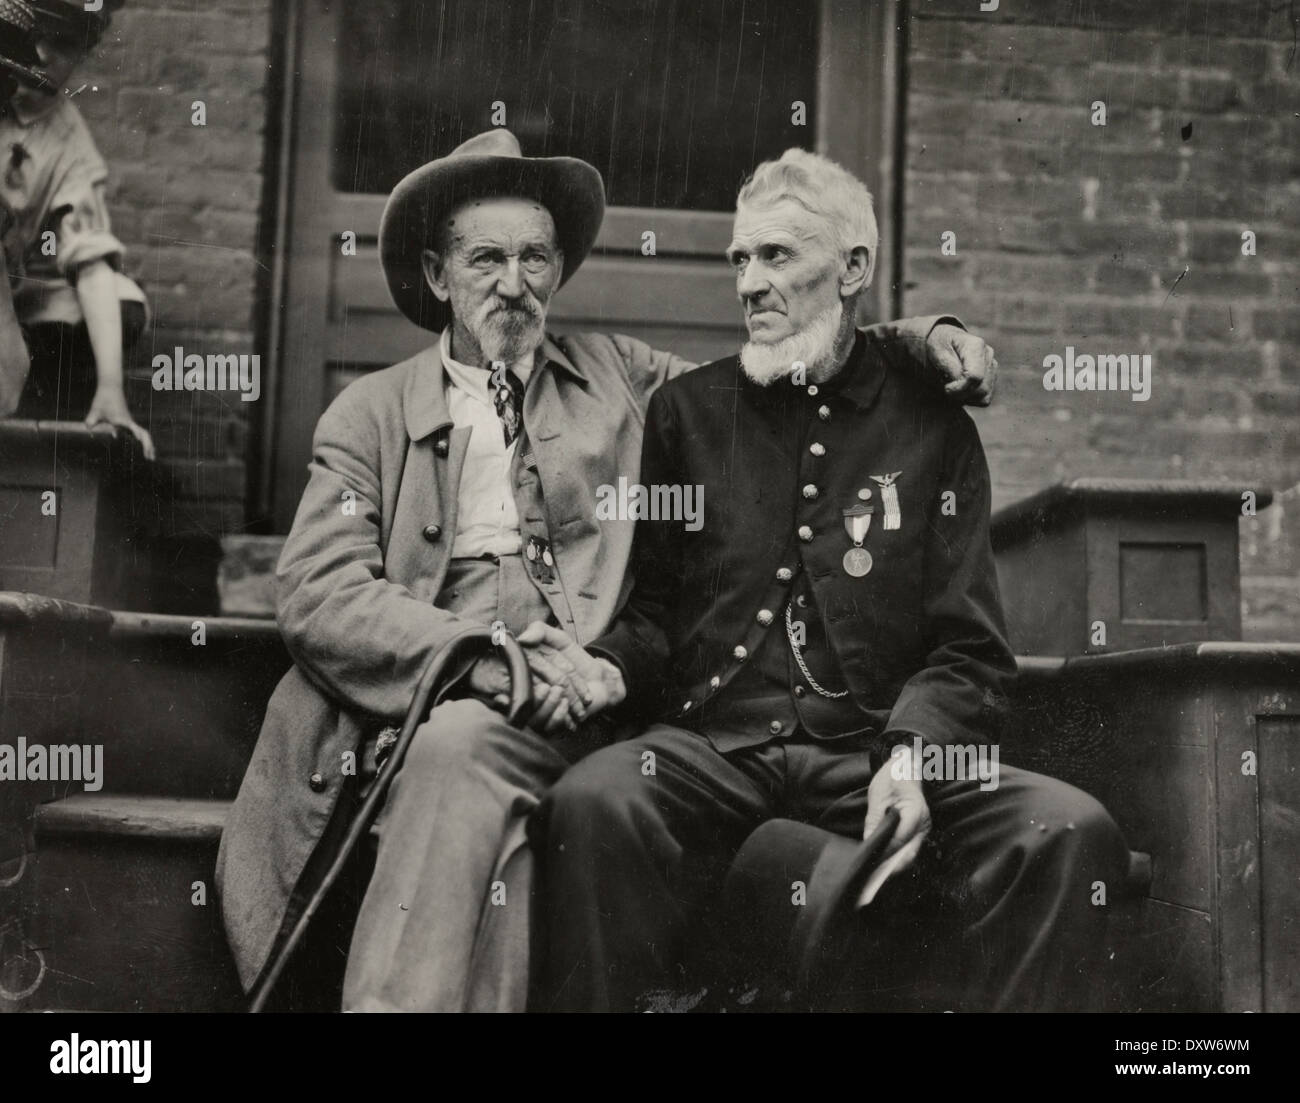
column 889, row 498
column 857, row 520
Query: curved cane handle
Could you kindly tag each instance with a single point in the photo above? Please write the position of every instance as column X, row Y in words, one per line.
column 521, row 677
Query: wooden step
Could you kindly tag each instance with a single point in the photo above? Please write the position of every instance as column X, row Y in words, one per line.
column 122, row 906
column 178, row 718
column 104, row 814
column 175, row 701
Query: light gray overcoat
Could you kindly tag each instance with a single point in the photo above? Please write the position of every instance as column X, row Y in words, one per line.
column 366, row 558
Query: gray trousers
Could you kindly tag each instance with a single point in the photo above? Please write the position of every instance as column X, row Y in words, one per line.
column 444, row 925
column 445, row 921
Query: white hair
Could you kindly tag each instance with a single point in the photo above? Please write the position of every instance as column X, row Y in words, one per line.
column 823, row 188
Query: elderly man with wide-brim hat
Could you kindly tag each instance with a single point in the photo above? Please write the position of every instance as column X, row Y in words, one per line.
column 457, row 487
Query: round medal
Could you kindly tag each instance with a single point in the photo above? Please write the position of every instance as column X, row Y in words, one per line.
column 857, row 562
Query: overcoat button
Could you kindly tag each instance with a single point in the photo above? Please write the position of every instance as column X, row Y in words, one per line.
column 810, row 491
column 812, row 389
column 802, row 601
column 765, row 617
column 817, row 449
column 714, row 682
column 824, row 412
column 432, row 533
column 441, row 446
column 799, row 691
column 317, row 783
column 775, row 727
column 805, row 533
column 687, row 706
column 784, row 574
column 740, row 652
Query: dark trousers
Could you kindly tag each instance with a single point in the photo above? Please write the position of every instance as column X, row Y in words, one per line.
column 62, row 379
column 1001, row 911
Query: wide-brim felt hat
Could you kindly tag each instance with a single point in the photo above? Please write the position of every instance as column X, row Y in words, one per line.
column 489, row 164
column 810, row 941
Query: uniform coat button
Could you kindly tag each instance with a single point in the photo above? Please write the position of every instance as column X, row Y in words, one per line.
column 714, row 682
column 775, row 727
column 432, row 533
column 810, row 491
column 799, row 691
column 687, row 706
column 764, row 617
column 824, row 412
column 802, row 601
column 317, row 783
column 740, row 652
column 812, row 389
column 784, row 574
column 805, row 534
column 817, row 449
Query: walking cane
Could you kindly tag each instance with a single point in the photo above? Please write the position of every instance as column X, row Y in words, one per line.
column 520, row 698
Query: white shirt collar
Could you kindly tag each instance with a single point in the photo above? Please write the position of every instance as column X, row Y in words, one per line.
column 477, row 382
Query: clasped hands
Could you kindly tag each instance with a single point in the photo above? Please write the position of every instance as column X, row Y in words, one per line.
column 570, row 685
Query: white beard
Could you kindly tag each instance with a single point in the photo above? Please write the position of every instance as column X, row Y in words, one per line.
column 509, row 337
column 765, row 362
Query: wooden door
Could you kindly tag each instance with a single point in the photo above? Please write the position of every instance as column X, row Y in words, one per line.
column 673, row 101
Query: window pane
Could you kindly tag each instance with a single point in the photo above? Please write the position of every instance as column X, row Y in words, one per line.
column 675, row 101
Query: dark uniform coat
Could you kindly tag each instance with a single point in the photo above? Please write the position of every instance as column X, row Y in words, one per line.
column 919, row 638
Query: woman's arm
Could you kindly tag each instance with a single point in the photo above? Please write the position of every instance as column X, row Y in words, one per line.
column 97, row 294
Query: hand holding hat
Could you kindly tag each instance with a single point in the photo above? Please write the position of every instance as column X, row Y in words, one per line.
column 904, row 796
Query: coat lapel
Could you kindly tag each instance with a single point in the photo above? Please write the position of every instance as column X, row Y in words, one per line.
column 423, row 526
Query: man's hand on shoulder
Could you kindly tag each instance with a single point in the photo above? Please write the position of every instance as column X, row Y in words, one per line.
column 966, row 363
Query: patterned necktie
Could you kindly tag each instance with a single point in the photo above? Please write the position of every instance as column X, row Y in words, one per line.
column 509, row 401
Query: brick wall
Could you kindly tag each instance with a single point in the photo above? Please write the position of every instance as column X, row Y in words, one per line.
column 185, row 201
column 1073, row 234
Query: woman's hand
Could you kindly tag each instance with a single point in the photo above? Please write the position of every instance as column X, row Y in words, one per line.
column 109, row 408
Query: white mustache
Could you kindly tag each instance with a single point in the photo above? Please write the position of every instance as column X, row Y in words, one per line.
column 529, row 307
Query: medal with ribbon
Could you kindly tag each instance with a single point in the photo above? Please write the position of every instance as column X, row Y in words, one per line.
column 857, row 520
column 889, row 499
column 540, row 560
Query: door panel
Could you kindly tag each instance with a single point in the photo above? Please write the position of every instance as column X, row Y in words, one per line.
column 672, row 102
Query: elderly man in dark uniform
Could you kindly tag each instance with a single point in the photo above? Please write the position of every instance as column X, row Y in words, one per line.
column 456, row 488
column 839, row 600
